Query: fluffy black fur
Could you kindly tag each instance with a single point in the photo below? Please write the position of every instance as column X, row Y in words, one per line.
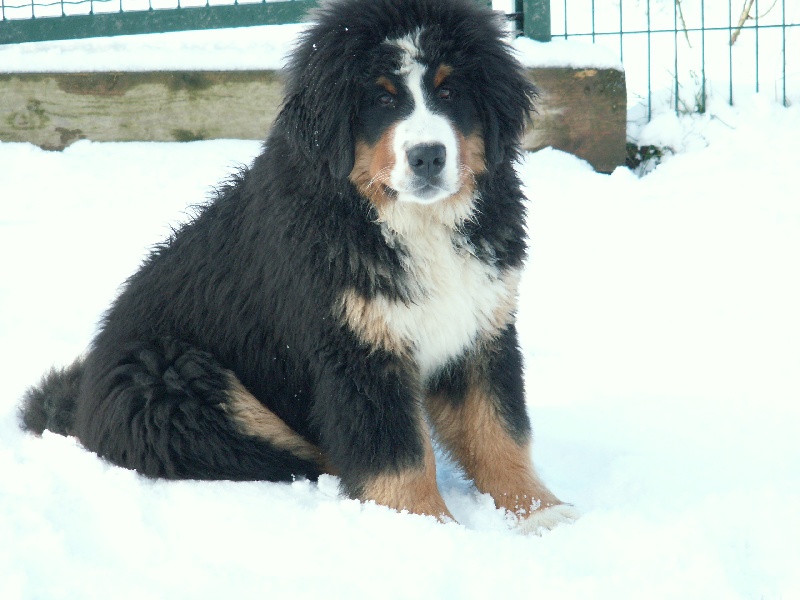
column 251, row 285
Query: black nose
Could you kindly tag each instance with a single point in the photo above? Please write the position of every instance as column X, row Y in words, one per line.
column 426, row 160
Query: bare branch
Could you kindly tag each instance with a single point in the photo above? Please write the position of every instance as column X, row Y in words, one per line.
column 679, row 4
column 748, row 5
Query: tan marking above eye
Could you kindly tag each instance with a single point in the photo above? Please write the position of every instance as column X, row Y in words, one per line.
column 443, row 72
column 387, row 84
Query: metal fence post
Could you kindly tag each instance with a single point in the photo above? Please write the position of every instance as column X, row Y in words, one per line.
column 536, row 19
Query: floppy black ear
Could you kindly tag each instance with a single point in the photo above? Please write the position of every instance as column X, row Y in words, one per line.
column 340, row 154
column 493, row 148
column 321, row 95
column 507, row 111
column 318, row 120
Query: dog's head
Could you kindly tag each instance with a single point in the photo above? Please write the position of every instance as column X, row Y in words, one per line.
column 411, row 100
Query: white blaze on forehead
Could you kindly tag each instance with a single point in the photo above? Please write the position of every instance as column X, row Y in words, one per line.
column 411, row 51
column 422, row 126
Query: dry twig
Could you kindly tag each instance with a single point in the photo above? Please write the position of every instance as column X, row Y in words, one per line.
column 748, row 5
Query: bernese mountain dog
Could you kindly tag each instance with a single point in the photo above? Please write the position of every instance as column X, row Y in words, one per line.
column 348, row 298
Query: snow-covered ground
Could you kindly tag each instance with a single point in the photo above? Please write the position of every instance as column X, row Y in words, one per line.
column 660, row 319
column 660, row 322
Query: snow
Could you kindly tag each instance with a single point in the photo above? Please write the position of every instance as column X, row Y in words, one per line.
column 234, row 49
column 661, row 332
column 249, row 48
column 573, row 54
column 659, row 321
column 262, row 47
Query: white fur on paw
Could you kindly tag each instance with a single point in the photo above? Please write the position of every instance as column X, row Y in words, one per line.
column 548, row 518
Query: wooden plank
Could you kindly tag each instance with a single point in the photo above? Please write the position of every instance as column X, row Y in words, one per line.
column 54, row 110
column 580, row 110
column 583, row 112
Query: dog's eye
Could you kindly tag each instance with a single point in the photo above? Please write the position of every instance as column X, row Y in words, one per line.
column 386, row 99
column 445, row 93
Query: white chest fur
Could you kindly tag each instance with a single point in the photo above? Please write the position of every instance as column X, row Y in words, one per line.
column 456, row 298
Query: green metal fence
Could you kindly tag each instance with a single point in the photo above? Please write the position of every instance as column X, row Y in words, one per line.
column 682, row 51
column 37, row 20
column 45, row 20
column 676, row 52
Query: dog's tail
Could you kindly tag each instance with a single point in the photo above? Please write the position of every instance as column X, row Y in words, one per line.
column 51, row 404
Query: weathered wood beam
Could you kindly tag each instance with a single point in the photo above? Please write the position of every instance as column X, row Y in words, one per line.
column 583, row 112
column 580, row 110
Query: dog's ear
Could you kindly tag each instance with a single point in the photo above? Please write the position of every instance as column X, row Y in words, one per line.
column 340, row 144
column 506, row 106
column 320, row 104
column 319, row 127
column 494, row 150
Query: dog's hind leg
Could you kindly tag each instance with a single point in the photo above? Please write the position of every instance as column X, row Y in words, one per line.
column 478, row 412
column 169, row 410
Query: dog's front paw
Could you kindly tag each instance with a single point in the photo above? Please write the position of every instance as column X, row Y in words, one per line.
column 548, row 518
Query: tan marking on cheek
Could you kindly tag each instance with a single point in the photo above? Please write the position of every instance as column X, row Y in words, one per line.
column 442, row 73
column 473, row 433
column 372, row 168
column 471, row 162
column 411, row 489
column 367, row 319
column 253, row 418
column 472, row 154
